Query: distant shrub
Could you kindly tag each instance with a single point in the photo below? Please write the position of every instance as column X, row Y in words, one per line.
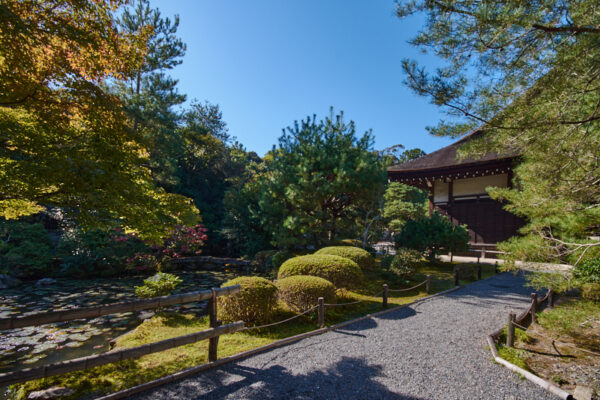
column 362, row 257
column 348, row 242
column 160, row 284
column 254, row 304
column 466, row 273
column 280, row 257
column 341, row 271
column 262, row 259
column 591, row 291
column 435, row 234
column 405, row 262
column 300, row 292
column 25, row 249
column 386, row 261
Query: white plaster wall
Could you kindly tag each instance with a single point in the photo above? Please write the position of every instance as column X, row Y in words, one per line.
column 440, row 191
column 463, row 187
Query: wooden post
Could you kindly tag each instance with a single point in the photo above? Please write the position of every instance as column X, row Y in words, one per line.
column 533, row 307
column 428, row 284
column 478, row 272
column 551, row 298
column 451, row 257
column 321, row 312
column 456, row 281
column 213, row 343
column 385, row 295
column 496, row 267
column 510, row 330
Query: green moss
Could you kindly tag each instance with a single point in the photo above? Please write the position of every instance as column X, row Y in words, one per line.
column 514, row 356
column 568, row 316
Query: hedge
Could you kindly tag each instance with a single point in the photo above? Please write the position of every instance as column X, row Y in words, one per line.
column 362, row 257
column 342, row 272
column 301, row 292
column 254, row 305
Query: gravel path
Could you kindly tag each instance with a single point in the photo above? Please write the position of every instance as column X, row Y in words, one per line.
column 434, row 349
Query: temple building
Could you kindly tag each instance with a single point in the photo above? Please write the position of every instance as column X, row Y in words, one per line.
column 457, row 189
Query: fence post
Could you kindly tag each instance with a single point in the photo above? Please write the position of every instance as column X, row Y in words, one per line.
column 456, row 281
column 510, row 330
column 428, row 284
column 213, row 343
column 496, row 267
column 478, row 272
column 321, row 312
column 533, row 307
column 551, row 298
column 385, row 295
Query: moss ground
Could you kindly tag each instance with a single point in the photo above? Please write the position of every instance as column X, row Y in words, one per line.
column 113, row 377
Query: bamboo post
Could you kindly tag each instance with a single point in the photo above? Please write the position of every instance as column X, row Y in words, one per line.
column 478, row 272
column 321, row 312
column 385, row 295
column 213, row 343
column 456, row 281
column 428, row 284
column 551, row 298
column 533, row 307
column 510, row 330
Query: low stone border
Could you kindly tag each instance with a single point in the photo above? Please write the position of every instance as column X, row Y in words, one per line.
column 526, row 374
column 236, row 357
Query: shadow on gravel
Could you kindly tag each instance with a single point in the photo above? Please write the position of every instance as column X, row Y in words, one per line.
column 363, row 325
column 350, row 378
column 405, row 312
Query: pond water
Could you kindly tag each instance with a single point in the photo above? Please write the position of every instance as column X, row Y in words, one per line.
column 40, row 345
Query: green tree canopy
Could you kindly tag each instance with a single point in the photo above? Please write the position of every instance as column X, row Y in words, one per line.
column 65, row 141
column 318, row 178
column 403, row 202
column 527, row 74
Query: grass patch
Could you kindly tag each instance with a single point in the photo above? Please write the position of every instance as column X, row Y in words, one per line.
column 514, row 356
column 567, row 317
column 114, row 377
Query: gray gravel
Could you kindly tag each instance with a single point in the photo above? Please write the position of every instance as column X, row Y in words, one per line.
column 435, row 349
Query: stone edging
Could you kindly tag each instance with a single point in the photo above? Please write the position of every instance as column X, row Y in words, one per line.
column 526, row 374
column 278, row 343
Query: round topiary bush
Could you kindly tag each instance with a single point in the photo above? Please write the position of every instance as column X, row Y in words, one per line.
column 301, row 292
column 340, row 271
column 362, row 257
column 348, row 242
column 254, row 304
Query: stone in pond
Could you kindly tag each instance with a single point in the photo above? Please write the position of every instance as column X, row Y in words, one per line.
column 34, row 359
column 79, row 337
column 73, row 344
column 45, row 281
column 40, row 348
column 52, row 393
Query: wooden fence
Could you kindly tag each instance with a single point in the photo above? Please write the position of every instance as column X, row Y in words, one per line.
column 113, row 356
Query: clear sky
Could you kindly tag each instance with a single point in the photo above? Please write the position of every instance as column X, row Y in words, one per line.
column 268, row 63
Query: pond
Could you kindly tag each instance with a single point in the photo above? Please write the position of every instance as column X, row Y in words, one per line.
column 35, row 346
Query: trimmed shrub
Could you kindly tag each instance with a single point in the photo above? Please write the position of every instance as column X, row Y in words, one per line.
column 405, row 262
column 362, row 257
column 340, row 271
column 160, row 284
column 386, row 261
column 254, row 305
column 25, row 250
column 301, row 292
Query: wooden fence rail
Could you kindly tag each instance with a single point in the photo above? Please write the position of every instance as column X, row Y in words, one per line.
column 77, row 364
column 127, row 306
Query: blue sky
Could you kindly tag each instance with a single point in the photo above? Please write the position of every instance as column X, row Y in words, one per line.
column 270, row 62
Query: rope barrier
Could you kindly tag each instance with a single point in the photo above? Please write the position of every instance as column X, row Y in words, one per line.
column 407, row 289
column 558, row 341
column 279, row 322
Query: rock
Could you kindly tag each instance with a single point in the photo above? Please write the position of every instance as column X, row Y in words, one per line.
column 45, row 281
column 583, row 393
column 52, row 393
column 7, row 281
